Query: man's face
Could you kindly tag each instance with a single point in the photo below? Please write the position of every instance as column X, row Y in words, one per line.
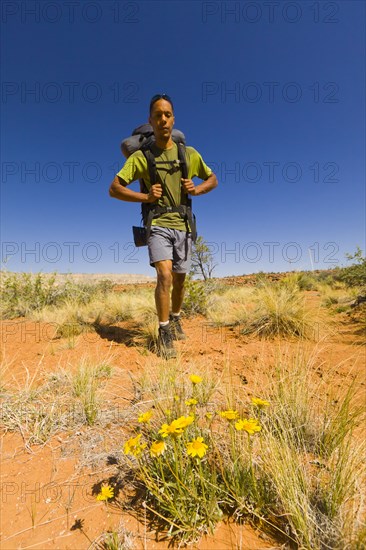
column 162, row 119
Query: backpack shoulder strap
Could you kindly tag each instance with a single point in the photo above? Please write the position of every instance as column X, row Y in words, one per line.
column 182, row 159
column 151, row 164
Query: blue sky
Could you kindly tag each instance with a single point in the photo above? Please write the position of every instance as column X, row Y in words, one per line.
column 270, row 93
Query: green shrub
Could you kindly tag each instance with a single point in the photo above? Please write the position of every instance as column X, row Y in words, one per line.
column 355, row 274
column 24, row 293
column 196, row 296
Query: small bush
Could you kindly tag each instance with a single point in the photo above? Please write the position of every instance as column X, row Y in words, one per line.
column 196, row 296
column 355, row 274
column 24, row 293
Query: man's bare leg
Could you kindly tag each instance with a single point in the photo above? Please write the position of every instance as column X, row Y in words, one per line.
column 177, row 301
column 178, row 291
column 165, row 346
column 162, row 290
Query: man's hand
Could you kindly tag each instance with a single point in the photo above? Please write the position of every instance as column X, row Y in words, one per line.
column 155, row 193
column 188, row 187
column 200, row 189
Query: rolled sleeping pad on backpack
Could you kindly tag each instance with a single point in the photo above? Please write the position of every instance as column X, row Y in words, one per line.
column 144, row 129
column 130, row 145
column 144, row 136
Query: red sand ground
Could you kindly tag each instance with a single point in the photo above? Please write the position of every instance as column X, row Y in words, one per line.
column 47, row 500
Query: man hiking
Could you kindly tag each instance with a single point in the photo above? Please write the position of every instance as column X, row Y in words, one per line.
column 169, row 231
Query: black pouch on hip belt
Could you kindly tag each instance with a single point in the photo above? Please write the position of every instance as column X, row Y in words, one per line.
column 139, row 235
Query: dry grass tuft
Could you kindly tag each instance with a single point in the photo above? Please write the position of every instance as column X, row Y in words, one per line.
column 279, row 311
column 66, row 400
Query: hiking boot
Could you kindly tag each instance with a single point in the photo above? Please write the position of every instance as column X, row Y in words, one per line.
column 176, row 328
column 165, row 343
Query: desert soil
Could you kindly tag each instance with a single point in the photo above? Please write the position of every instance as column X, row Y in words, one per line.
column 47, row 490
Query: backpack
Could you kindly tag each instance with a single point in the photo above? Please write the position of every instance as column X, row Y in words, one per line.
column 142, row 139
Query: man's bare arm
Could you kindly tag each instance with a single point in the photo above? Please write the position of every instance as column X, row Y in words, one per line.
column 200, row 189
column 118, row 190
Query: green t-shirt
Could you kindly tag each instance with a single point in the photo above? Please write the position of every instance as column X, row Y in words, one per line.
column 169, row 175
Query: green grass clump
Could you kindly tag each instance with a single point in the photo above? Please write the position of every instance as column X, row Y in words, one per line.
column 114, row 541
column 300, row 279
column 85, row 383
column 279, row 311
column 231, row 306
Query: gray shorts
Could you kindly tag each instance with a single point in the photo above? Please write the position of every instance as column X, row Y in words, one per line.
column 170, row 244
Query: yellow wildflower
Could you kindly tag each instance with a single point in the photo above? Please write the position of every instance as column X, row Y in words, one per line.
column 258, row 402
column 176, row 427
column 229, row 414
column 106, row 492
column 168, row 429
column 209, row 416
column 195, row 379
column 250, row 426
column 133, row 446
column 191, row 402
column 176, row 398
column 185, row 421
column 173, row 428
column 157, row 448
column 196, row 447
column 144, row 418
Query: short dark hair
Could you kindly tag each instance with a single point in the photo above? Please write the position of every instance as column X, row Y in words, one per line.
column 156, row 98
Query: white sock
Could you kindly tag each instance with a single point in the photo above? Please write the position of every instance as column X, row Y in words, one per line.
column 163, row 323
column 176, row 314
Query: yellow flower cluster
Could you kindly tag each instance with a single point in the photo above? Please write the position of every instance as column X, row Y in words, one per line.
column 229, row 414
column 144, row 418
column 176, row 427
column 106, row 492
column 191, row 402
column 250, row 426
column 133, row 446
